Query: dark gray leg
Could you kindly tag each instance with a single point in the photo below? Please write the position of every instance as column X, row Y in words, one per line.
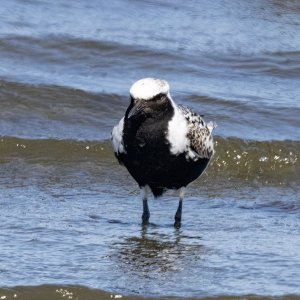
column 178, row 214
column 146, row 211
column 177, row 223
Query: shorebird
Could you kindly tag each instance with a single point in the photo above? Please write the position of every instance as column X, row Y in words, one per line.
column 163, row 145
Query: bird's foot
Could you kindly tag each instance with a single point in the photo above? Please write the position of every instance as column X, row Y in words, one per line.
column 146, row 211
column 145, row 218
column 177, row 223
column 178, row 214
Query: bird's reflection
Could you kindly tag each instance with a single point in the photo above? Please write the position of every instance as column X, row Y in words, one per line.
column 153, row 253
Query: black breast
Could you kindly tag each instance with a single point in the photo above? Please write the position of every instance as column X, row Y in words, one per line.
column 148, row 157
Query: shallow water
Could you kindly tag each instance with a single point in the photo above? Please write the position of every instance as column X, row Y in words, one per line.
column 70, row 215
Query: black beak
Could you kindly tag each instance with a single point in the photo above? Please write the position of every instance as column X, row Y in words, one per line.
column 136, row 109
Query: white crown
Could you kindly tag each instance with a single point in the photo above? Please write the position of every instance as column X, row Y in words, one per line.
column 148, row 88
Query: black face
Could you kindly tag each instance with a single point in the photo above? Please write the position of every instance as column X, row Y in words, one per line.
column 154, row 107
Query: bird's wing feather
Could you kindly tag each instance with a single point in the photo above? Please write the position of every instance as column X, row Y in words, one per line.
column 117, row 138
column 199, row 133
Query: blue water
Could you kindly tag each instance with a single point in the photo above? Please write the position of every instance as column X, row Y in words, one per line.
column 247, row 51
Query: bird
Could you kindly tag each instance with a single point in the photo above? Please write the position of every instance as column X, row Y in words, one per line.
column 163, row 145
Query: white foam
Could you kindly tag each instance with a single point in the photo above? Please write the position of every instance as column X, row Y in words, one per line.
column 148, row 88
column 117, row 137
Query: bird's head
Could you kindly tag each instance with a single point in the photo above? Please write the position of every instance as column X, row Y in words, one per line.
column 149, row 97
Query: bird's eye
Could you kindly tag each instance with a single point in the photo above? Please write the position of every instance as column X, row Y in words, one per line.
column 159, row 98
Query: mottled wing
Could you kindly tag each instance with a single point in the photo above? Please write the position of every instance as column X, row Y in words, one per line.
column 199, row 133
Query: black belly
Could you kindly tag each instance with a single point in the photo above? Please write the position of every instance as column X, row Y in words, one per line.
column 158, row 168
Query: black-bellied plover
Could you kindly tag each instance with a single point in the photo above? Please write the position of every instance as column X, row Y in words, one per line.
column 162, row 145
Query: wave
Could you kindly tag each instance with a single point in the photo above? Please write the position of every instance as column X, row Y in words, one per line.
column 249, row 120
column 53, row 99
column 80, row 293
column 266, row 162
column 280, row 63
column 248, row 161
column 71, row 54
column 40, row 111
column 44, row 111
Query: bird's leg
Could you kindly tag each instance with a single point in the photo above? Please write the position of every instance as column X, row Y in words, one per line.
column 177, row 223
column 146, row 212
